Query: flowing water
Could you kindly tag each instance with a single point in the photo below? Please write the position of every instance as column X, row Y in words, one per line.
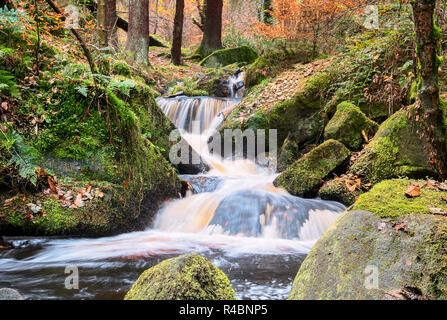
column 256, row 233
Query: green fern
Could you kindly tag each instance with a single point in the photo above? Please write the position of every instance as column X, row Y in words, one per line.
column 7, row 84
column 13, row 20
column 124, row 87
column 22, row 155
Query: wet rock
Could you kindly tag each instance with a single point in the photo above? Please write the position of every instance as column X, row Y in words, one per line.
column 336, row 190
column 10, row 294
column 288, row 154
column 305, row 176
column 350, row 126
column 187, row 277
column 201, row 183
column 386, row 235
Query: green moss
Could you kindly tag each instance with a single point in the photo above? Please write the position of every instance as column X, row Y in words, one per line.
column 387, row 199
column 121, row 68
column 187, row 277
column 288, row 154
column 347, row 126
column 224, row 57
column 397, row 150
column 336, row 190
column 305, row 176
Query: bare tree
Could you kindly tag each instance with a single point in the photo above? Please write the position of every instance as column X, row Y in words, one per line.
column 138, row 35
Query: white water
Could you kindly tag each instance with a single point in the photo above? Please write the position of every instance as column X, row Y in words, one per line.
column 254, row 231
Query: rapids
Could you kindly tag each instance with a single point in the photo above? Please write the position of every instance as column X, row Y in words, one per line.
column 256, row 233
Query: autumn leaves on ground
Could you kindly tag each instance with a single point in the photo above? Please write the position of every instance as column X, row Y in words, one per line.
column 84, row 148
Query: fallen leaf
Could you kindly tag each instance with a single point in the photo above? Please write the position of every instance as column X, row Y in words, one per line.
column 52, row 183
column 437, row 211
column 126, row 185
column 365, row 137
column 398, row 226
column 413, row 191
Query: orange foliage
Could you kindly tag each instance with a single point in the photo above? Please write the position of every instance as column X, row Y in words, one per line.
column 301, row 19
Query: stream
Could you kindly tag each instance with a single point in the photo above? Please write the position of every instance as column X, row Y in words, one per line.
column 257, row 234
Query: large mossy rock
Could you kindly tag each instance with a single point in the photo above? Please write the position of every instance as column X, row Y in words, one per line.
column 397, row 150
column 10, row 294
column 305, row 176
column 347, row 125
column 388, row 235
column 224, row 57
column 187, row 277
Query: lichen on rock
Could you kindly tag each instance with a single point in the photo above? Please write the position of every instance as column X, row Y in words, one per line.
column 187, row 277
column 305, row 176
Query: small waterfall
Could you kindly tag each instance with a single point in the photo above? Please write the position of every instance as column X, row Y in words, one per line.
column 243, row 201
column 197, row 114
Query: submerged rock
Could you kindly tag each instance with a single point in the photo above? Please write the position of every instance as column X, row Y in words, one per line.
column 388, row 247
column 224, row 57
column 187, row 277
column 397, row 150
column 305, row 176
column 347, row 126
column 10, row 294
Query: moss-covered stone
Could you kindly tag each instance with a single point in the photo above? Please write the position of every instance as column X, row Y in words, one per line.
column 224, row 57
column 288, row 154
column 187, row 277
column 397, row 235
column 305, row 176
column 10, row 294
column 336, row 190
column 347, row 125
column 397, row 150
column 273, row 63
column 121, row 68
column 387, row 199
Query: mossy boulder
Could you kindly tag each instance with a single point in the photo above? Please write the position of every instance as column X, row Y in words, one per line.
column 347, row 125
column 10, row 294
column 224, row 57
column 397, row 150
column 305, row 176
column 121, row 68
column 273, row 63
column 336, row 190
column 388, row 235
column 187, row 277
column 289, row 153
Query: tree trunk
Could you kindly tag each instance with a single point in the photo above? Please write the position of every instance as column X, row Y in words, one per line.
column 101, row 17
column 138, row 35
column 176, row 50
column 212, row 28
column 6, row 3
column 112, row 20
column 156, row 17
column 427, row 40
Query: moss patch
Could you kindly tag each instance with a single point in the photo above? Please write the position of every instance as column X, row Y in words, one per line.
column 220, row 58
column 305, row 176
column 387, row 199
column 347, row 125
column 397, row 150
column 187, row 277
